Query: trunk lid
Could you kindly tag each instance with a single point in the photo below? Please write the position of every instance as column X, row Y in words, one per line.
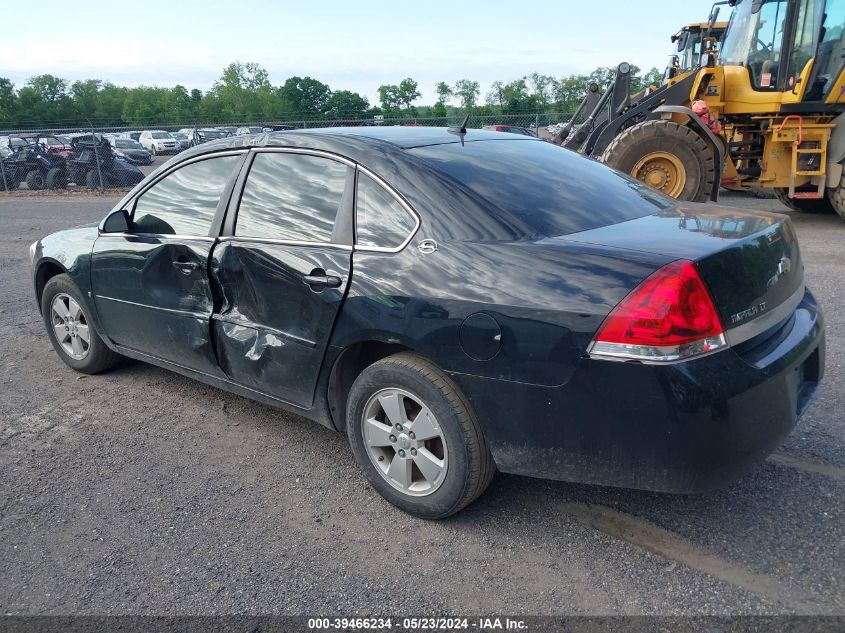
column 749, row 261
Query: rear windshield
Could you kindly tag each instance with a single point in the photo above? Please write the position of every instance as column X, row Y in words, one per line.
column 547, row 189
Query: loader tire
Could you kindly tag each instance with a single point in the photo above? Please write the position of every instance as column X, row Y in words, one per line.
column 836, row 197
column 804, row 205
column 670, row 157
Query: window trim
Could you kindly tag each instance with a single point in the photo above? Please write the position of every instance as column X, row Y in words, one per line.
column 402, row 202
column 230, row 221
column 214, row 229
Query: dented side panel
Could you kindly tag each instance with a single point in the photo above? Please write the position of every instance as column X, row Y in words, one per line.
column 272, row 328
column 153, row 294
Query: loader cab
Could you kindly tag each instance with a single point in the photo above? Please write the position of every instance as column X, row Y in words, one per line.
column 789, row 49
column 689, row 45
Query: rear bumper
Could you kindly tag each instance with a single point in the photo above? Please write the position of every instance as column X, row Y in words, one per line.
column 687, row 427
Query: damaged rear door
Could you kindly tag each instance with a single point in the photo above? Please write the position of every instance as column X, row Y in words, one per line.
column 282, row 267
column 151, row 283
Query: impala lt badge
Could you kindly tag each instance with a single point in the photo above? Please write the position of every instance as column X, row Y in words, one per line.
column 748, row 313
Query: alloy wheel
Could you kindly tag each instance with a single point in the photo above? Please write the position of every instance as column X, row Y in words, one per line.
column 70, row 326
column 405, row 442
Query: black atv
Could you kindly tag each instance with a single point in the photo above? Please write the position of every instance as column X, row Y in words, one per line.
column 32, row 164
column 82, row 166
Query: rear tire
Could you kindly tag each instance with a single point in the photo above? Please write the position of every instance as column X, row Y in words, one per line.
column 35, row 180
column 836, row 196
column 88, row 357
column 56, row 178
column 804, row 205
column 670, row 157
column 447, row 431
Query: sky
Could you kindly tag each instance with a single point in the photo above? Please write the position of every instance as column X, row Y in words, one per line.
column 347, row 45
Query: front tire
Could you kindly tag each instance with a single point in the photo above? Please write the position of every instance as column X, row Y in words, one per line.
column 56, row 178
column 667, row 156
column 70, row 329
column 416, row 438
column 35, row 180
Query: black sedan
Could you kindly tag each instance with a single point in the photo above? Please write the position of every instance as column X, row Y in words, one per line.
column 456, row 302
column 131, row 151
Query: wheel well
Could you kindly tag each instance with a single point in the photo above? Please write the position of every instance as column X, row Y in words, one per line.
column 46, row 271
column 348, row 366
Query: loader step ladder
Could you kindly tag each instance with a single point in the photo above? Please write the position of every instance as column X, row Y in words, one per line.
column 797, row 153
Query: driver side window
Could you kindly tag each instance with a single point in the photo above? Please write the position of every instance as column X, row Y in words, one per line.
column 184, row 202
column 764, row 61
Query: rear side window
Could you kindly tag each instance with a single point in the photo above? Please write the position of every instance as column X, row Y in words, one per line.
column 184, row 202
column 292, row 197
column 541, row 189
column 380, row 220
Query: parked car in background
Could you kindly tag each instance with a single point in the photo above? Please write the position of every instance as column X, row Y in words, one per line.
column 182, row 140
column 201, row 135
column 562, row 321
column 131, row 151
column 158, row 142
column 133, row 134
column 511, row 129
column 253, row 129
column 229, row 129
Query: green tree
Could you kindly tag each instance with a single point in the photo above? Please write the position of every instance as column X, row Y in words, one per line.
column 344, row 104
column 407, row 92
column 495, row 94
column 516, row 97
column 388, row 96
column 303, row 97
column 467, row 91
column 543, row 89
column 8, row 101
column 242, row 91
column 444, row 92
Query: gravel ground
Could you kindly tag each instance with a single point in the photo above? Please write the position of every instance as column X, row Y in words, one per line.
column 142, row 492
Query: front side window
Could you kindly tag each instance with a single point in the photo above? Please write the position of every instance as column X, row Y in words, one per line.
column 184, row 202
column 292, row 197
column 804, row 38
column 380, row 220
column 754, row 39
column 831, row 51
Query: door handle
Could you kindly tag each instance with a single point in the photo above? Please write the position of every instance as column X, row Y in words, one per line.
column 186, row 267
column 322, row 281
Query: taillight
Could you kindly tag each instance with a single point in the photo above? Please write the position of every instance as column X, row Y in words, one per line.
column 670, row 316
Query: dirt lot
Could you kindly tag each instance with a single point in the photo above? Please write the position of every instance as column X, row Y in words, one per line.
column 139, row 491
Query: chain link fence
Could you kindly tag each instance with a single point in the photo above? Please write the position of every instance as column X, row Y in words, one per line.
column 102, row 157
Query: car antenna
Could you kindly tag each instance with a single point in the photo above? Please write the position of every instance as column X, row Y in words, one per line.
column 460, row 131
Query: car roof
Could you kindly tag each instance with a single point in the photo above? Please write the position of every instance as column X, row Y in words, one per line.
column 355, row 142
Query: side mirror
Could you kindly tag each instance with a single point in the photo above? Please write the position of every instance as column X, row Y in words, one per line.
column 117, row 222
column 714, row 15
column 682, row 41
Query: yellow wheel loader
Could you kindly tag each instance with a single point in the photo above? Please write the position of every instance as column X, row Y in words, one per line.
column 767, row 111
